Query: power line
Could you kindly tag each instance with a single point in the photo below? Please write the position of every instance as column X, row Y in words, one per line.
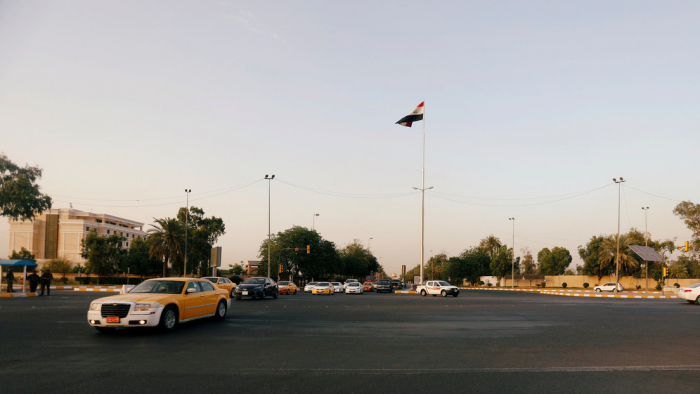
column 521, row 205
column 510, row 199
column 348, row 195
column 651, row 194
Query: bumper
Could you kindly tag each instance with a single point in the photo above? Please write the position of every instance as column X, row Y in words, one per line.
column 687, row 296
column 133, row 319
column 353, row 291
column 321, row 292
column 250, row 293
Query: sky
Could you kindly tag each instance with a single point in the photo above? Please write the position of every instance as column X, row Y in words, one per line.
column 531, row 109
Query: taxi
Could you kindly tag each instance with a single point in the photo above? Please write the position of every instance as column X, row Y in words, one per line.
column 367, row 286
column 222, row 283
column 287, row 287
column 160, row 302
column 323, row 288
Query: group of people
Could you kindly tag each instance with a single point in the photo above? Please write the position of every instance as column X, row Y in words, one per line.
column 34, row 280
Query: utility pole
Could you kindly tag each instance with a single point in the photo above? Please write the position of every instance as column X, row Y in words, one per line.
column 512, row 260
column 313, row 224
column 187, row 219
column 617, row 255
column 646, row 243
column 269, row 235
column 368, row 241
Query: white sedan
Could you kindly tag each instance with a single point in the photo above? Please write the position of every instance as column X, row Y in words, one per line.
column 690, row 293
column 338, row 287
column 353, row 288
column 309, row 287
column 610, row 286
column 347, row 282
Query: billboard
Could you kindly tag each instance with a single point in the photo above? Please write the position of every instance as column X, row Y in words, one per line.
column 215, row 257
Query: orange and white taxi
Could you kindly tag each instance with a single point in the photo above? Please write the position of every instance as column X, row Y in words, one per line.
column 222, row 283
column 323, row 288
column 367, row 286
column 287, row 287
column 161, row 302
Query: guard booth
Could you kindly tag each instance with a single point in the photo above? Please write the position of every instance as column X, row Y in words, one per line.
column 16, row 265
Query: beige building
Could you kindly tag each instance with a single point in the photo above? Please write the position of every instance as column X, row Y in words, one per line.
column 250, row 267
column 57, row 233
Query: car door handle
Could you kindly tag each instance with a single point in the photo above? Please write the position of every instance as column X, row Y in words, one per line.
column 202, row 295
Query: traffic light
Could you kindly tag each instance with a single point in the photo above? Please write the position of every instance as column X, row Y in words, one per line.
column 280, row 268
column 687, row 246
column 296, row 249
column 663, row 274
column 403, row 270
column 308, row 249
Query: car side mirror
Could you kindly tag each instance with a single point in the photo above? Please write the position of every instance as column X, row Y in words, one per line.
column 191, row 290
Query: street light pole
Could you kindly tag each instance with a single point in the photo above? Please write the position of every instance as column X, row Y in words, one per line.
column 617, row 255
column 646, row 243
column 269, row 235
column 368, row 243
column 512, row 260
column 187, row 219
column 313, row 225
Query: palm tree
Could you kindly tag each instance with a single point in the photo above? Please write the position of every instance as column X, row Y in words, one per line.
column 166, row 239
column 608, row 251
column 677, row 270
column 490, row 245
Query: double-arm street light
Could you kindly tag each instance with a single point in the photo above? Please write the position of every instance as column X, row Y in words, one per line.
column 646, row 243
column 313, row 225
column 512, row 260
column 269, row 235
column 617, row 255
column 187, row 217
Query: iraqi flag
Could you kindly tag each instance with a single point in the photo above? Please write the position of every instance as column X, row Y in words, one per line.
column 414, row 116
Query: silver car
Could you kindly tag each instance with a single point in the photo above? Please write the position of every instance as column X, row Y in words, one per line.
column 690, row 293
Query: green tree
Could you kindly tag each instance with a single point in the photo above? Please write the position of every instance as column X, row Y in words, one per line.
column 166, row 243
column 502, row 263
column 20, row 196
column 608, row 250
column 553, row 262
column 527, row 264
column 678, row 270
column 490, row 245
column 471, row 264
column 690, row 213
column 59, row 266
column 139, row 261
column 436, row 265
column 23, row 254
column 357, row 261
column 103, row 253
column 202, row 234
column 237, row 270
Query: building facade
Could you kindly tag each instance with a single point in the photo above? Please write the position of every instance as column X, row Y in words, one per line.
column 58, row 233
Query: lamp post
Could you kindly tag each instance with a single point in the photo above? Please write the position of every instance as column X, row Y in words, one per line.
column 269, row 235
column 512, row 260
column 617, row 255
column 187, row 218
column 313, row 226
column 422, row 211
column 646, row 243
column 368, row 243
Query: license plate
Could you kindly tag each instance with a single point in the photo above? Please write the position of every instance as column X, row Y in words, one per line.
column 244, row 292
column 112, row 319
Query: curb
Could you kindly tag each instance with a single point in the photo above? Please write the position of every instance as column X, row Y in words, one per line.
column 500, row 289
column 85, row 289
column 17, row 295
column 608, row 296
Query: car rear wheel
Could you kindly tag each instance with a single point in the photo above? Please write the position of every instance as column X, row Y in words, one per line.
column 274, row 295
column 697, row 300
column 423, row 293
column 597, row 290
column 105, row 330
column 220, row 310
column 232, row 295
column 443, row 293
column 168, row 320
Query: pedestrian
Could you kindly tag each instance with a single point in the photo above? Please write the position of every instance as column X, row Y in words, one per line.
column 34, row 280
column 46, row 278
column 10, row 278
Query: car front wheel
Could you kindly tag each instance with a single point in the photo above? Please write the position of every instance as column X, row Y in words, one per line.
column 444, row 293
column 168, row 320
column 274, row 295
column 220, row 310
column 597, row 290
column 423, row 293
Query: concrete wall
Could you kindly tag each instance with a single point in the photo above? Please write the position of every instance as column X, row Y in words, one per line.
column 627, row 282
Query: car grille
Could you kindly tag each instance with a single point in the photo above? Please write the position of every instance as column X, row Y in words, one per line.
column 119, row 310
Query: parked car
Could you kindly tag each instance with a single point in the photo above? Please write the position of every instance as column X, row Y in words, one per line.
column 323, row 288
column 309, row 287
column 690, row 293
column 435, row 287
column 162, row 303
column 338, row 287
column 222, row 283
column 259, row 288
column 610, row 286
column 354, row 288
column 287, row 287
column 367, row 286
column 397, row 284
column 385, row 285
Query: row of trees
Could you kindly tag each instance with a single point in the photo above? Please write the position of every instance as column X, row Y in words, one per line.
column 288, row 249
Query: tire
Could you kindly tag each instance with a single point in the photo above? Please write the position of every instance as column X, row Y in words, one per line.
column 597, row 290
column 443, row 293
column 423, row 293
column 261, row 295
column 220, row 310
column 232, row 294
column 689, row 302
column 105, row 330
column 697, row 300
column 295, row 292
column 274, row 296
column 455, row 294
column 168, row 319
column 238, row 298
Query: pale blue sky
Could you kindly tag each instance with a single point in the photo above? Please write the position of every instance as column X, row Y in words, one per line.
column 137, row 100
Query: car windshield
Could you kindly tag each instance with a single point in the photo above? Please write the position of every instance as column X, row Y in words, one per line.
column 384, row 282
column 312, row 283
column 160, row 286
column 353, row 284
column 283, row 283
column 693, row 286
column 322, row 284
column 212, row 280
column 335, row 283
column 254, row 281
column 443, row 283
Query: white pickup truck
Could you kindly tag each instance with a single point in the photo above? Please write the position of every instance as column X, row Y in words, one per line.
column 435, row 287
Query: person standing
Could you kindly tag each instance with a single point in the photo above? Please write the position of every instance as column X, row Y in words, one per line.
column 46, row 278
column 33, row 280
column 10, row 278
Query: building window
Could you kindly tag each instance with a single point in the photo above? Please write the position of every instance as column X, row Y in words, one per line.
column 99, row 220
column 87, row 228
column 127, row 244
column 107, row 231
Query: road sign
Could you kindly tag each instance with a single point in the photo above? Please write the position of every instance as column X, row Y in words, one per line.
column 215, row 257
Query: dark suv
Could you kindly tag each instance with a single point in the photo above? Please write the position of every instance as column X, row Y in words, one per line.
column 385, row 285
column 397, row 284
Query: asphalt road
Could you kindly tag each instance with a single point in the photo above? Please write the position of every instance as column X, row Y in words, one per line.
column 482, row 342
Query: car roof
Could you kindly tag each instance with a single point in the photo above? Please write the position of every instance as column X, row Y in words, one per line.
column 176, row 279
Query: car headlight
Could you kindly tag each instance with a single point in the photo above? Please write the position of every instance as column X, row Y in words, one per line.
column 145, row 307
column 95, row 306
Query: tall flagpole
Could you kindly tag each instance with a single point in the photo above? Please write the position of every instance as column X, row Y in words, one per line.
column 422, row 207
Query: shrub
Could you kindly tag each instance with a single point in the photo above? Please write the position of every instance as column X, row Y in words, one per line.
column 481, row 283
column 489, row 284
column 544, row 284
column 236, row 279
column 64, row 280
column 563, row 285
column 658, row 286
column 585, row 285
column 677, row 285
column 639, row 287
column 538, row 284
